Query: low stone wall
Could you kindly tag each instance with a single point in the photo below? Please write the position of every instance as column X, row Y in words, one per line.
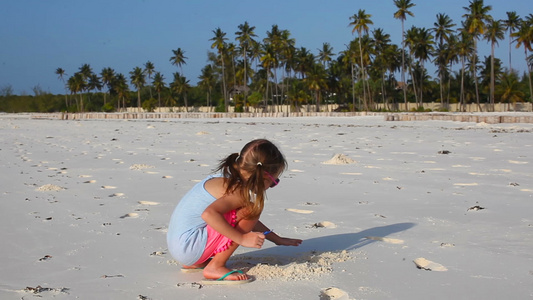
column 191, row 115
column 489, row 118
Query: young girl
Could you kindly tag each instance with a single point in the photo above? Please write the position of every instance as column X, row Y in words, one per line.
column 222, row 212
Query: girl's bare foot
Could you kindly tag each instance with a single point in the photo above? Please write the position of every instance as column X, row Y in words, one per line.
column 212, row 272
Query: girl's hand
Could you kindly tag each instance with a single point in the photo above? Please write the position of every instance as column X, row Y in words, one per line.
column 287, row 242
column 253, row 240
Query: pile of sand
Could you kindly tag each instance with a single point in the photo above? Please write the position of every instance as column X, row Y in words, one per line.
column 307, row 266
column 339, row 159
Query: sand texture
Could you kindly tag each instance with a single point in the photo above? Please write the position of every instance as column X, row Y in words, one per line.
column 387, row 210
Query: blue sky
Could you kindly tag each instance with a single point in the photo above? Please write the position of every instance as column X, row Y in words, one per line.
column 39, row 36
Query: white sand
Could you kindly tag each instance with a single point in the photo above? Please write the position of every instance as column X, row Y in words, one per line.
column 424, row 209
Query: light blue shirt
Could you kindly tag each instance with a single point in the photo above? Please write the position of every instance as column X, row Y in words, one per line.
column 187, row 234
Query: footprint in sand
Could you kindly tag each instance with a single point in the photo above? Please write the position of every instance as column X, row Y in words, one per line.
column 90, row 181
column 148, row 203
column 429, row 265
column 296, row 171
column 386, row 240
column 130, row 215
column 86, row 176
column 117, row 195
column 108, row 187
column 333, row 293
column 299, row 211
column 167, row 177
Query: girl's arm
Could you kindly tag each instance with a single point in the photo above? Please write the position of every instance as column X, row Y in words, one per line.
column 213, row 215
column 274, row 238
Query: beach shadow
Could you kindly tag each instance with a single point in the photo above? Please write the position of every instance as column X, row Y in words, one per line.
column 329, row 243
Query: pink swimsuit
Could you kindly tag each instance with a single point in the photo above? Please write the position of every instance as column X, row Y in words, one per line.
column 216, row 242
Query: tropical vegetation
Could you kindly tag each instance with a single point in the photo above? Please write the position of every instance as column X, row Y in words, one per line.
column 371, row 73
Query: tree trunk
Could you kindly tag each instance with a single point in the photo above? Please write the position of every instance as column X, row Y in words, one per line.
column 475, row 75
column 404, row 87
column 462, row 96
column 226, row 102
column 139, row 100
column 492, row 78
column 529, row 74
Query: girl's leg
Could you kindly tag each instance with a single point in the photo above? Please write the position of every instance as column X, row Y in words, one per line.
column 216, row 268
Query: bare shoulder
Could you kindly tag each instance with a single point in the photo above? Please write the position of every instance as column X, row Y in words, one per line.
column 217, row 188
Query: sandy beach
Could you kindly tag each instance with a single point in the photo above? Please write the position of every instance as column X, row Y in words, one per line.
column 387, row 210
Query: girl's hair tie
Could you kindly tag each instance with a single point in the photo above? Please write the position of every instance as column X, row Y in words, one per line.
column 259, row 163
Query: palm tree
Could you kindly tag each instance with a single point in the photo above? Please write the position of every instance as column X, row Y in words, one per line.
column 524, row 37
column 149, row 69
column 120, row 86
column 442, row 30
column 138, row 80
column 495, row 32
column 411, row 40
column 423, row 50
column 441, row 61
column 178, row 59
column 325, row 54
column 392, row 58
column 452, row 57
column 360, row 23
column 85, row 71
column 465, row 49
column 159, row 85
column 245, row 37
column 381, row 43
column 268, row 61
column 208, row 81
column 286, row 58
column 60, row 72
column 476, row 20
column 402, row 12
column 94, row 83
column 512, row 23
column 316, row 81
column 77, row 84
column 181, row 86
column 107, row 76
column 219, row 42
column 509, row 88
column 348, row 58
